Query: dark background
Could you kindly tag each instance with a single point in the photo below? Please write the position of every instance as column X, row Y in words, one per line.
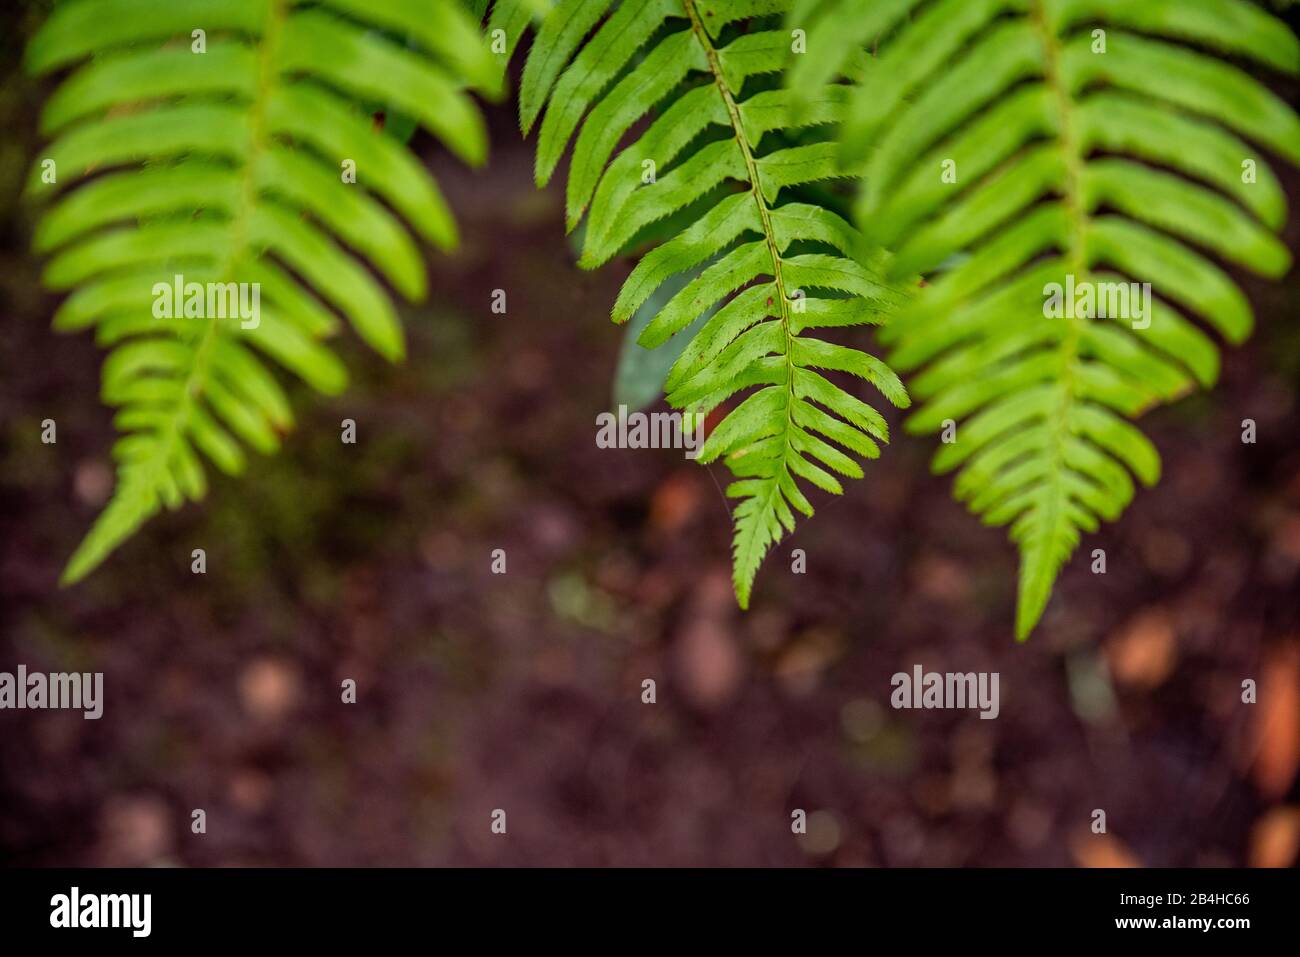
column 522, row 692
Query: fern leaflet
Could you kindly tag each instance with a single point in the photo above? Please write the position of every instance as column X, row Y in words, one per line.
column 507, row 21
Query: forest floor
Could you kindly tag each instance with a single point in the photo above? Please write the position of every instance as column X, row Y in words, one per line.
column 523, row 691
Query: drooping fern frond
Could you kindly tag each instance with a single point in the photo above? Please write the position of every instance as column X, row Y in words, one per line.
column 232, row 144
column 716, row 169
column 1018, row 150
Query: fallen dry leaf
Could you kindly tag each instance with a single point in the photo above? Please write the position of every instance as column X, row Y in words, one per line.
column 708, row 664
column 135, row 831
column 1101, row 850
column 1277, row 725
column 92, row 482
column 706, row 654
column 1143, row 653
column 800, row 667
column 675, row 502
column 269, row 689
column 1275, row 838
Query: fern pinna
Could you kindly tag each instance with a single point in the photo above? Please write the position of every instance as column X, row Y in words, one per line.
column 233, row 142
column 714, row 167
column 1018, row 150
column 506, row 22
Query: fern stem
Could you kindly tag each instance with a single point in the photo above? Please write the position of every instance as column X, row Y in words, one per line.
column 1055, row 515
column 239, row 231
column 769, row 233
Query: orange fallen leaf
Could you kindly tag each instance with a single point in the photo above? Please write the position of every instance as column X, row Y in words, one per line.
column 1101, row 850
column 1275, row 838
column 1143, row 653
column 269, row 689
column 675, row 502
column 1277, row 724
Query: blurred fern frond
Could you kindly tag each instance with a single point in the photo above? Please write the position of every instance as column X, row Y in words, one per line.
column 233, row 143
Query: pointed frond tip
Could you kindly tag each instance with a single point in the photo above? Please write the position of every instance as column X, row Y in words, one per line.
column 218, row 199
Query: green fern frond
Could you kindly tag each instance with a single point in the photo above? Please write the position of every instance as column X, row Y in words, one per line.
column 1102, row 141
column 718, row 168
column 221, row 156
